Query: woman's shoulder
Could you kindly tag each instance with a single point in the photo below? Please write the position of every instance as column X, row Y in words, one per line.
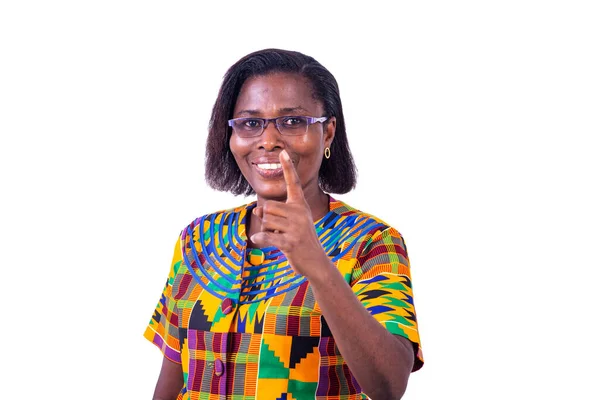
column 363, row 218
column 365, row 230
column 373, row 240
column 234, row 215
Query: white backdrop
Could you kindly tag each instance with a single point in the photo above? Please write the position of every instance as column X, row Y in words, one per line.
column 474, row 127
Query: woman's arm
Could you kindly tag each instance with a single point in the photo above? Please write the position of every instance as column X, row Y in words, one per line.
column 170, row 381
column 381, row 362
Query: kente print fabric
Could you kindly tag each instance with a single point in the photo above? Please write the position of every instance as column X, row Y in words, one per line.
column 244, row 326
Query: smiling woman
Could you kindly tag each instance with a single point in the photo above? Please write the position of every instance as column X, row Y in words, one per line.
column 295, row 295
column 278, row 95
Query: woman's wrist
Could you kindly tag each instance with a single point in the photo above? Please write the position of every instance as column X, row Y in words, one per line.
column 322, row 273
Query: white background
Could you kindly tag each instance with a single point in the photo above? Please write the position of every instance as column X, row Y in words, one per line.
column 474, row 127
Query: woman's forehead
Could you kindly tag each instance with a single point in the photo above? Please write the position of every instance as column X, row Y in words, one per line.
column 276, row 93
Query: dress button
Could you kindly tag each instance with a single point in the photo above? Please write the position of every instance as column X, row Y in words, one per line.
column 219, row 367
column 256, row 256
column 227, row 306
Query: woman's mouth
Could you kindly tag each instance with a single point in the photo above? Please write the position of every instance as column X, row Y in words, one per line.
column 269, row 170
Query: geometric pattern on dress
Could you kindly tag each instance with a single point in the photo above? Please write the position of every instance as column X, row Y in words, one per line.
column 336, row 380
column 275, row 343
column 289, row 366
column 213, row 249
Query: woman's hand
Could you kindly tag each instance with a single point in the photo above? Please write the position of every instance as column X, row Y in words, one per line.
column 289, row 226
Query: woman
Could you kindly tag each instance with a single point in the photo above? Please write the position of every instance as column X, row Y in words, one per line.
column 296, row 295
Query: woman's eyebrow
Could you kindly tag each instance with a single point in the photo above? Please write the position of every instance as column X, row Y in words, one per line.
column 282, row 111
column 249, row 112
column 288, row 110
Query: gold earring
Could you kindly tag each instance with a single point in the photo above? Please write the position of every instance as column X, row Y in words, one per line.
column 327, row 153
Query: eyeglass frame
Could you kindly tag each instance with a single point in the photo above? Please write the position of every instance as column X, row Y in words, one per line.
column 267, row 121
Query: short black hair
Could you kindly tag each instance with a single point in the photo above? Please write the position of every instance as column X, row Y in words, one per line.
column 336, row 175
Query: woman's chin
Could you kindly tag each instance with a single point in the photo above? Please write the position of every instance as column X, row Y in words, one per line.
column 271, row 192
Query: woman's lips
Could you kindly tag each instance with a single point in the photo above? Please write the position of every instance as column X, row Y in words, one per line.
column 269, row 170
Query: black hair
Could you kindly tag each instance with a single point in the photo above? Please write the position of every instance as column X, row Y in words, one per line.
column 336, row 175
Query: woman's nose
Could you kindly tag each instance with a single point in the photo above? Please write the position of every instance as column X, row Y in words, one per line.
column 270, row 138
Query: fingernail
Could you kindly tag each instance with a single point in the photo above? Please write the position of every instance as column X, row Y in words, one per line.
column 286, row 156
column 254, row 211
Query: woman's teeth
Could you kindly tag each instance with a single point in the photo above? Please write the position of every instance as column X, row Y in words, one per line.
column 269, row 166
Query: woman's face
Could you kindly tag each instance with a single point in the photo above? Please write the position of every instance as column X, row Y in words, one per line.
column 271, row 96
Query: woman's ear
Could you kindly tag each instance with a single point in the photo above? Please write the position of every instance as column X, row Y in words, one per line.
column 329, row 132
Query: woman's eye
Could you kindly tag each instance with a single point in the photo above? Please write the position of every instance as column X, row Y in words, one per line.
column 292, row 121
column 251, row 123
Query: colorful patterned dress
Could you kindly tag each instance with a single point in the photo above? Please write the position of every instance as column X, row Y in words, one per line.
column 244, row 326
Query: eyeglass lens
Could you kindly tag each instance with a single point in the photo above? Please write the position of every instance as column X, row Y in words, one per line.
column 286, row 125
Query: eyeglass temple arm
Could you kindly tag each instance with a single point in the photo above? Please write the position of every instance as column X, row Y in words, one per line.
column 313, row 120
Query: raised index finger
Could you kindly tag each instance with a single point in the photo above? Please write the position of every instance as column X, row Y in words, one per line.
column 292, row 180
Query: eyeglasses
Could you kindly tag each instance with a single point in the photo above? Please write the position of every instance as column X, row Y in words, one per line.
column 288, row 126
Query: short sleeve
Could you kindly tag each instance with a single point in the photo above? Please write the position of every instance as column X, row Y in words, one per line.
column 381, row 280
column 163, row 328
